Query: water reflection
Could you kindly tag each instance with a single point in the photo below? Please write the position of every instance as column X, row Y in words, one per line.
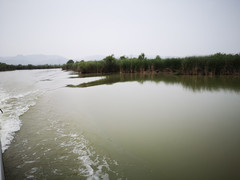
column 193, row 83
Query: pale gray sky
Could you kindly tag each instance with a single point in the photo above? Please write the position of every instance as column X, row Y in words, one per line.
column 80, row 28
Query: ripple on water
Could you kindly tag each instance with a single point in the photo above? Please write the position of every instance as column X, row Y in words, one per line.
column 91, row 164
column 14, row 105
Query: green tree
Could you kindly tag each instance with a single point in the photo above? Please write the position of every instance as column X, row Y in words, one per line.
column 123, row 57
column 70, row 61
column 70, row 65
column 110, row 64
column 141, row 56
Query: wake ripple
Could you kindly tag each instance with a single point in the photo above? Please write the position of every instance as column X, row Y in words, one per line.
column 13, row 106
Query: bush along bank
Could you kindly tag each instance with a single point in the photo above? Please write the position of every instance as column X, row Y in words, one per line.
column 10, row 67
column 217, row 64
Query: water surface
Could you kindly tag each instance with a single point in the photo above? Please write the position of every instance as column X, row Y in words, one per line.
column 122, row 126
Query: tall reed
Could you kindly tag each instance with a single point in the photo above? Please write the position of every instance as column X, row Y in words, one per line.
column 217, row 64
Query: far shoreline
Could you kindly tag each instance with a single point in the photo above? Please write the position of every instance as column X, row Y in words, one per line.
column 217, row 64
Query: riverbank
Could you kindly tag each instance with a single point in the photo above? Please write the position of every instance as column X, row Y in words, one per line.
column 217, row 64
column 10, row 67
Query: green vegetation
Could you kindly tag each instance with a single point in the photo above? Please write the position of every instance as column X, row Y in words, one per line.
column 217, row 64
column 7, row 67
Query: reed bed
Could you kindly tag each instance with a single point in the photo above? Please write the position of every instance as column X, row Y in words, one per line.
column 217, row 64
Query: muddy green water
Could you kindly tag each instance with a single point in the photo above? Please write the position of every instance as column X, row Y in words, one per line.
column 126, row 126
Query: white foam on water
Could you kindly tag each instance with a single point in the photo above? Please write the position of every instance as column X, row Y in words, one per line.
column 13, row 106
column 30, row 174
column 19, row 90
column 92, row 165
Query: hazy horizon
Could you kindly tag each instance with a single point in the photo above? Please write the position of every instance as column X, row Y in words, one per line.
column 83, row 29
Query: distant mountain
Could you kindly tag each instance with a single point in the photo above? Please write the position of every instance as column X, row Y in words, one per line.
column 34, row 59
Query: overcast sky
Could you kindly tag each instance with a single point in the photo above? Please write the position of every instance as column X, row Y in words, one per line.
column 80, row 28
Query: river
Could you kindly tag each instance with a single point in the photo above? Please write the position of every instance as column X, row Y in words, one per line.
column 58, row 125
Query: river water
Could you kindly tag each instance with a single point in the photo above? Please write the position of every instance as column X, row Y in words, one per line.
column 58, row 125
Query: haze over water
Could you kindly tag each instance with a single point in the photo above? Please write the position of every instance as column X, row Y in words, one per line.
column 119, row 126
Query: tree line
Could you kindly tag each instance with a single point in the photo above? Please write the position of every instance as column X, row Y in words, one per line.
column 10, row 67
column 217, row 64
